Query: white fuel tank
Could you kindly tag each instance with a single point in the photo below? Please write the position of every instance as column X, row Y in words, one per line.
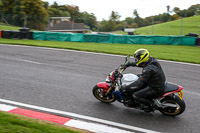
column 129, row 78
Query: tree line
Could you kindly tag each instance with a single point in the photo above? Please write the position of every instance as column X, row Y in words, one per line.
column 136, row 21
column 35, row 14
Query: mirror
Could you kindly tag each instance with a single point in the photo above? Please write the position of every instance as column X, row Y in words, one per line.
column 127, row 57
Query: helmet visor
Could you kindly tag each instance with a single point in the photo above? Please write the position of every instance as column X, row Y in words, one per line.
column 136, row 60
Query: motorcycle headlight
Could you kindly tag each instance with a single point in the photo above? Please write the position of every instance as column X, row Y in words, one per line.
column 108, row 79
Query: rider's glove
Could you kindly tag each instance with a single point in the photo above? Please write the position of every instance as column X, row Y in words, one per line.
column 132, row 64
column 139, row 75
column 124, row 66
column 128, row 64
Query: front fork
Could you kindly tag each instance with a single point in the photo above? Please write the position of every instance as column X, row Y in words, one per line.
column 105, row 86
column 109, row 89
column 114, row 84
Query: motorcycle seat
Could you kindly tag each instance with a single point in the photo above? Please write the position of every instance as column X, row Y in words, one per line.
column 169, row 87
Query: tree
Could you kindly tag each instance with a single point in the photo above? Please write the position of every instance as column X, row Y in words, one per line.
column 120, row 26
column 165, row 17
column 55, row 5
column 33, row 12
column 89, row 20
column 25, row 12
column 54, row 12
column 175, row 17
column 149, row 20
column 1, row 4
column 18, row 19
column 138, row 19
column 185, row 13
column 113, row 21
column 195, row 9
column 75, row 14
column 129, row 20
column 7, row 6
column 45, row 4
column 135, row 14
column 104, row 25
column 176, row 10
column 7, row 9
column 115, row 16
column 168, row 9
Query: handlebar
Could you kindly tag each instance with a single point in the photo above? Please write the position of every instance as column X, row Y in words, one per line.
column 119, row 75
column 125, row 63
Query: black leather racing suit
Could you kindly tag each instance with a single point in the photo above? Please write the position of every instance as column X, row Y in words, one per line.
column 153, row 76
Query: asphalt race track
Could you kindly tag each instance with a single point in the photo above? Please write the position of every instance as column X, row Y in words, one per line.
column 63, row 80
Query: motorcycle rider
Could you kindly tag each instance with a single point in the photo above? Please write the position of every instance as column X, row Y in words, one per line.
column 152, row 76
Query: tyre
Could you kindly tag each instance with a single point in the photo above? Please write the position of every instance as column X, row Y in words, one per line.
column 173, row 111
column 99, row 94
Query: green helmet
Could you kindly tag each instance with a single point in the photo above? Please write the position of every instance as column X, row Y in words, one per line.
column 141, row 56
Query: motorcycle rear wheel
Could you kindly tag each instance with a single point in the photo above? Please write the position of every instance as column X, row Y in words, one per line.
column 170, row 111
column 98, row 94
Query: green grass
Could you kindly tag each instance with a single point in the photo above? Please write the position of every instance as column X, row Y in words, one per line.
column 189, row 25
column 10, row 123
column 8, row 27
column 176, row 27
column 166, row 52
column 4, row 26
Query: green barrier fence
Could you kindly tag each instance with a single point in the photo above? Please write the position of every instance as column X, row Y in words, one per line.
column 119, row 39
column 125, row 39
column 162, row 40
column 76, row 38
column 39, row 35
column 63, row 37
column 141, row 39
column 104, row 38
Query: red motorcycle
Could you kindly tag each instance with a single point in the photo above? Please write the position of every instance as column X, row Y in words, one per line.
column 170, row 103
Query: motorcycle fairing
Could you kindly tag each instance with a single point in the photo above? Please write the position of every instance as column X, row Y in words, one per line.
column 103, row 85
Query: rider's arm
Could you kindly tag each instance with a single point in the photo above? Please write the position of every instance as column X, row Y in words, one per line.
column 131, row 64
column 146, row 74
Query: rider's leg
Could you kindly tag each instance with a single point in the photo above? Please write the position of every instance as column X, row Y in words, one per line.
column 141, row 94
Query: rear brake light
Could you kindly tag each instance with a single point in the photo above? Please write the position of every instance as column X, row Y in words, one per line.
column 180, row 88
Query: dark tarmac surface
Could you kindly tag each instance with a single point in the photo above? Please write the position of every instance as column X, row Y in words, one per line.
column 63, row 80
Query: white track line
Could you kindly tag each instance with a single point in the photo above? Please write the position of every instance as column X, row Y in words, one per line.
column 6, row 108
column 93, row 127
column 78, row 116
column 28, row 61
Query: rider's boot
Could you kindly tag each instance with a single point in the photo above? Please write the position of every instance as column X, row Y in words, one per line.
column 150, row 106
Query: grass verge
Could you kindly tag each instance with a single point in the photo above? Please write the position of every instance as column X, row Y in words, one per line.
column 176, row 27
column 166, row 52
column 8, row 27
column 10, row 123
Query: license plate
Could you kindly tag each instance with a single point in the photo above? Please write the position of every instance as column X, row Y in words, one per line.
column 180, row 94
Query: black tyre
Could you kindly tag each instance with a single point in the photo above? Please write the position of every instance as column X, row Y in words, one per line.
column 173, row 111
column 98, row 93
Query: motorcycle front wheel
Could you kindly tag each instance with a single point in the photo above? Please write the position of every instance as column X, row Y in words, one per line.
column 99, row 94
column 173, row 111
